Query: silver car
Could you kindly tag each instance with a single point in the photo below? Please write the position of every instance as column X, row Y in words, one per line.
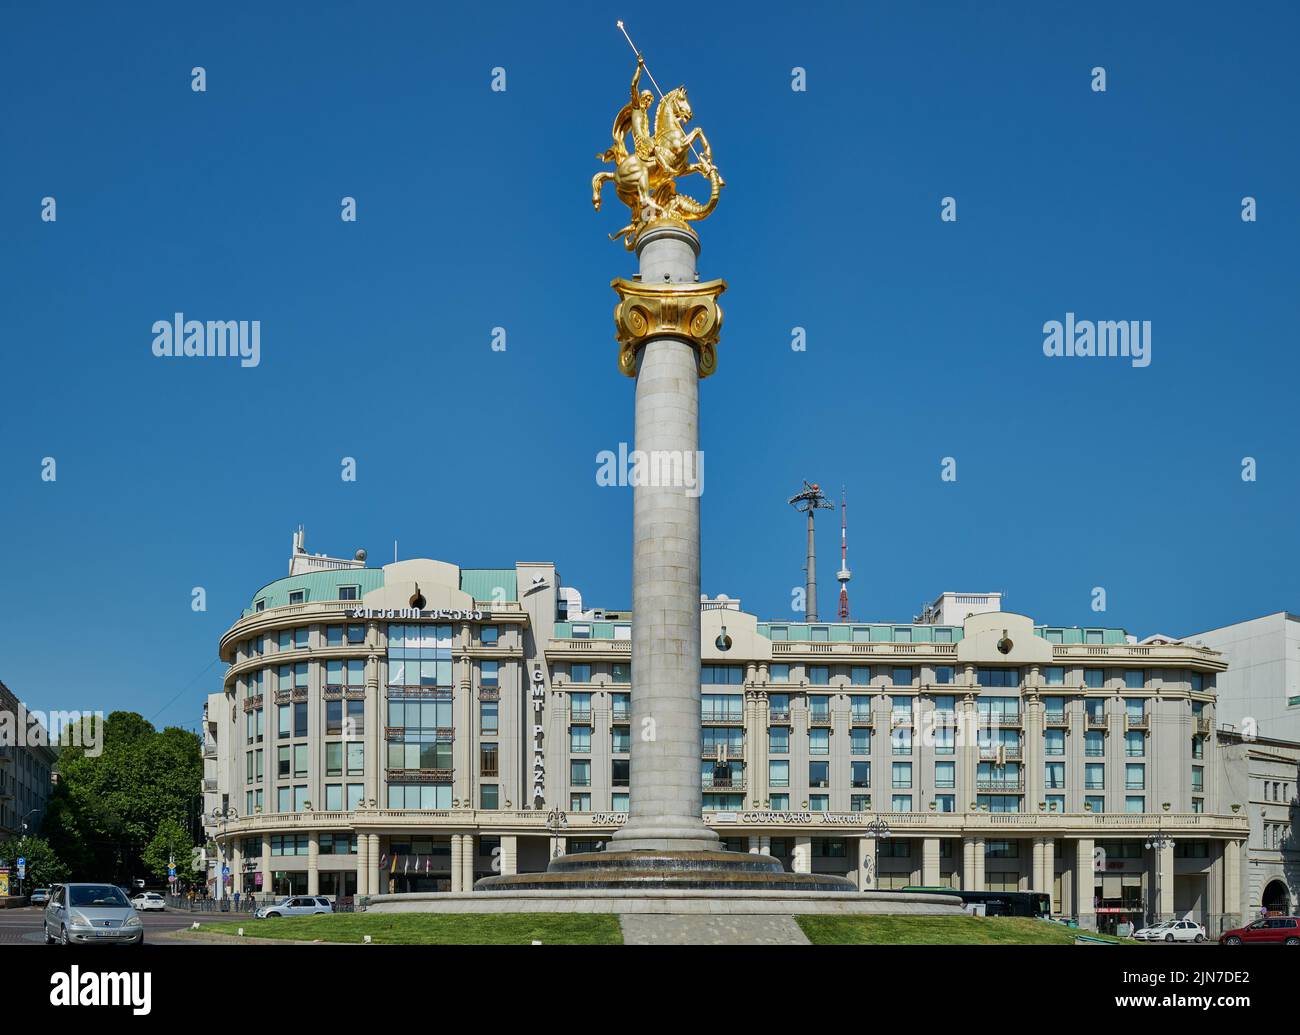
column 78, row 914
column 296, row 905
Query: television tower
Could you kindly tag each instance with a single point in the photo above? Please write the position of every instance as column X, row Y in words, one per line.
column 809, row 502
column 844, row 574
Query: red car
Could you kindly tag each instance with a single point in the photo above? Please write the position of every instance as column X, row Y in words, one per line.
column 1267, row 930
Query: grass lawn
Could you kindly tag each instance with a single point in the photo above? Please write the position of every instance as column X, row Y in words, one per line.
column 436, row 929
column 937, row 930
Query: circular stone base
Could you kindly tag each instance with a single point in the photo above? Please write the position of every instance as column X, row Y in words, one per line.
column 666, row 871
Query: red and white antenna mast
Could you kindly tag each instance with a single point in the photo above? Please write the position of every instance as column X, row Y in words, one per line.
column 844, row 574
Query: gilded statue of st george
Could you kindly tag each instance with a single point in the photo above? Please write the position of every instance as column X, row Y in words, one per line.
column 645, row 175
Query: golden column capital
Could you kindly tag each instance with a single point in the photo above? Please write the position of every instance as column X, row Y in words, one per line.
column 686, row 311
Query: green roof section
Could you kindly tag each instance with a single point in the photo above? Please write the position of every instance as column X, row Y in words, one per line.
column 318, row 586
column 490, row 584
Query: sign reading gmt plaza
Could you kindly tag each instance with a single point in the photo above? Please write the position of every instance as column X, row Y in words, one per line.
column 502, row 707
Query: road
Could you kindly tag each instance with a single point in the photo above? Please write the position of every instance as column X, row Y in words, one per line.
column 23, row 926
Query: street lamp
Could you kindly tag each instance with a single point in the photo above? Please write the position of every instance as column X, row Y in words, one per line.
column 223, row 816
column 556, row 820
column 23, row 827
column 879, row 830
column 1158, row 843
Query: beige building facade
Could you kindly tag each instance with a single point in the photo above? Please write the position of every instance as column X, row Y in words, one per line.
column 417, row 726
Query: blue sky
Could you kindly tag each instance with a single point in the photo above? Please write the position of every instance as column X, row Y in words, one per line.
column 924, row 337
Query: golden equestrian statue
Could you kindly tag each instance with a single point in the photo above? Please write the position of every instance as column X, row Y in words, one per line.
column 645, row 175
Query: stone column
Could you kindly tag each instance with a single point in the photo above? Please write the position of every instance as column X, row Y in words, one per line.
column 363, row 865
column 1165, row 863
column 968, row 864
column 509, row 854
column 930, row 861
column 266, row 865
column 457, row 864
column 375, row 720
column 378, row 878
column 663, row 319
column 1232, row 904
column 802, row 861
column 979, row 864
column 866, row 863
column 468, row 853
column 755, row 847
column 1036, row 873
column 313, row 863
column 1049, row 870
column 1084, row 884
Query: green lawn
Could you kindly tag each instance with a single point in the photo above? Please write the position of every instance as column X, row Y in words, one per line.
column 936, row 930
column 436, row 929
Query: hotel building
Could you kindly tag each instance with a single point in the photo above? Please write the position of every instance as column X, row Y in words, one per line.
column 420, row 725
column 25, row 769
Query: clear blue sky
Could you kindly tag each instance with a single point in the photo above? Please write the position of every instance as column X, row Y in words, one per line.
column 924, row 338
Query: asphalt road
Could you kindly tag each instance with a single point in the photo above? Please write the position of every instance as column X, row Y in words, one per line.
column 23, row 926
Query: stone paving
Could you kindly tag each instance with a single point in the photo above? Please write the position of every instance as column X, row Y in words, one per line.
column 678, row 929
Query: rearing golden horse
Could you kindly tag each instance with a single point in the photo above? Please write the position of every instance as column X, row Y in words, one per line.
column 645, row 176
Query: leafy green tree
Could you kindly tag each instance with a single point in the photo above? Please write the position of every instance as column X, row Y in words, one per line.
column 111, row 804
column 43, row 866
column 172, row 843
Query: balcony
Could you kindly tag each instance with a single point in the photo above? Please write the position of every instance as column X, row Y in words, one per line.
column 1137, row 722
column 1056, row 719
column 729, row 752
column 900, row 719
column 419, row 775
column 1007, row 752
column 1095, row 721
column 580, row 715
column 722, row 783
column 1004, row 785
column 1203, row 723
column 778, row 715
column 861, row 719
column 712, row 718
column 210, row 785
column 819, row 719
column 621, row 715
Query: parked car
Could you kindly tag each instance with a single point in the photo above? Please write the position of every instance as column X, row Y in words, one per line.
column 40, row 896
column 149, row 900
column 299, row 905
column 1171, row 931
column 1267, row 930
column 85, row 913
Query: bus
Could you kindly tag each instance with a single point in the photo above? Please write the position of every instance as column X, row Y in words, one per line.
column 998, row 903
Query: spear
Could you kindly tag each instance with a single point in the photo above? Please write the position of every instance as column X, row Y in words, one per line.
column 655, row 83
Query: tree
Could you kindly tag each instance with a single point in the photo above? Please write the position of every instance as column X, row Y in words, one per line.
column 43, row 866
column 109, row 807
column 172, row 844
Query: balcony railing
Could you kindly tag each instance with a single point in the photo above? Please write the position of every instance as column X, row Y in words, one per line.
column 1001, row 786
column 419, row 775
column 1204, row 724
column 722, row 718
column 819, row 718
column 1137, row 722
column 861, row 718
column 580, row 715
column 1056, row 719
column 1095, row 720
column 1006, row 751
column 778, row 714
column 723, row 783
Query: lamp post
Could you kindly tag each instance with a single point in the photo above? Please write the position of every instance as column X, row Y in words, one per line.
column 224, row 816
column 23, row 828
column 1158, row 843
column 879, row 830
column 556, row 820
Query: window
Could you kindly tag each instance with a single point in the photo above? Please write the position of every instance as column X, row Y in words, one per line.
column 580, row 740
column 1002, row 849
column 722, row 675
column 778, row 772
column 859, row 741
column 579, row 673
column 779, row 803
column 722, row 708
column 1198, row 747
column 998, row 677
column 621, row 801
column 1135, row 743
column 580, row 772
column 778, row 740
column 580, row 802
column 902, row 775
column 1054, row 675
column 819, row 675
column 334, row 636
column 334, row 797
column 349, row 592
column 1133, row 679
column 1094, row 678
column 488, row 760
column 1054, row 709
column 1056, row 803
column 357, row 634
column 1094, row 776
column 819, row 774
column 297, row 596
column 489, row 717
column 861, row 708
column 1135, row 803
column 489, row 796
column 945, row 740
column 1094, row 743
column 620, row 738
column 819, row 803
column 901, row 740
column 620, row 772
column 356, row 757
column 819, row 742
column 860, row 675
column 487, row 673
column 901, row 677
column 1198, row 682
column 1053, row 742
column 859, row 774
column 334, row 758
column 580, row 707
column 900, row 708
column 621, row 673
column 621, row 704
column 1054, row 775
column 900, row 803
column 1135, row 708
column 943, row 674
column 779, row 674
column 1198, row 778
column 945, row 775
column 859, row 802
column 489, row 635
column 819, row 709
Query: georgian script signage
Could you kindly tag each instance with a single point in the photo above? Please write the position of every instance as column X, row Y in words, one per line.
column 410, row 614
column 608, row 819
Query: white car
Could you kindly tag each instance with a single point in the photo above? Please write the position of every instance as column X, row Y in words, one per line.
column 148, row 900
column 296, row 905
column 1171, row 931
